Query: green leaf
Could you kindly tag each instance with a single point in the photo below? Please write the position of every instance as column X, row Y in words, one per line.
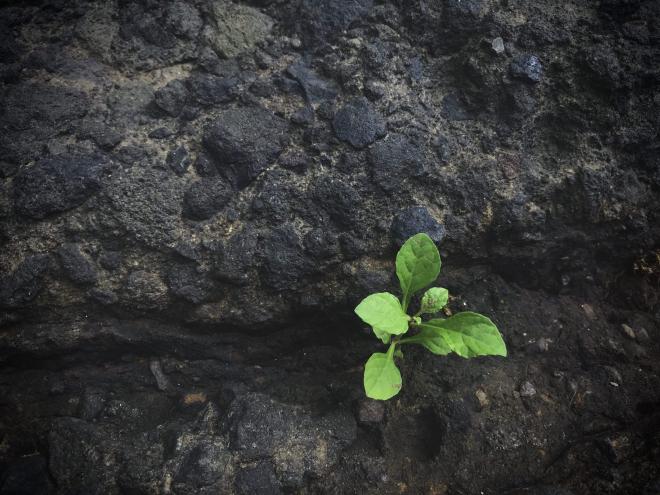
column 432, row 339
column 434, row 300
column 383, row 312
column 417, row 265
column 383, row 336
column 469, row 334
column 382, row 379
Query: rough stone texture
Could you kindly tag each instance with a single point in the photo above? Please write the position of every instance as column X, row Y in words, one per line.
column 214, row 186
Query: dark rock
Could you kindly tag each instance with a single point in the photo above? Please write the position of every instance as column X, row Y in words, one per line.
column 77, row 266
column 296, row 162
column 210, row 90
column 339, row 199
column 351, row 246
column 160, row 133
column 208, row 465
column 258, row 478
column 31, row 105
column 26, row 476
column 304, row 116
column 244, row 141
column 285, row 261
column 172, row 97
column 316, row 89
column 179, row 160
column 57, row 184
column 235, row 257
column 323, row 22
column 104, row 296
column 187, row 283
column 321, row 244
column 358, row 123
column 394, row 159
column 110, row 260
column 374, row 90
column 92, row 403
column 414, row 220
column 104, row 136
column 144, row 290
column 442, row 148
column 455, row 108
column 205, row 166
column 24, row 283
column 527, row 67
column 206, row 197
column 260, row 426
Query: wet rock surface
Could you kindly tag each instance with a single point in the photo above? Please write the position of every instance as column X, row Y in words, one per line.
column 194, row 196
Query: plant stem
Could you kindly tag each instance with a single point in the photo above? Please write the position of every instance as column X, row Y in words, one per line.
column 390, row 351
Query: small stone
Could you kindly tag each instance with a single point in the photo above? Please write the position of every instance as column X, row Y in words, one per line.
column 162, row 381
column 482, row 398
column 370, row 411
column 589, row 311
column 497, row 45
column 304, row 116
column 206, row 197
column 527, row 67
column 628, row 332
column 316, row 89
column 179, row 160
column 527, row 390
column 543, row 344
column 160, row 133
column 172, row 97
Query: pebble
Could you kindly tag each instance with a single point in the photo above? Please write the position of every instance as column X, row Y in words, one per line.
column 628, row 332
column 482, row 398
column 527, row 390
column 497, row 45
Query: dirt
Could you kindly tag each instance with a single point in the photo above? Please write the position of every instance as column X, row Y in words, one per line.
column 195, row 195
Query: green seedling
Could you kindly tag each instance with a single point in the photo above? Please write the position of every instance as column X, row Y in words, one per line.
column 467, row 334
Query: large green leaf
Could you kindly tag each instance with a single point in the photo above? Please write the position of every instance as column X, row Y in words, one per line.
column 383, row 312
column 417, row 265
column 468, row 334
column 382, row 379
column 432, row 339
column 434, row 300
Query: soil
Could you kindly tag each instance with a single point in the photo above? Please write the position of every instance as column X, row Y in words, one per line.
column 194, row 195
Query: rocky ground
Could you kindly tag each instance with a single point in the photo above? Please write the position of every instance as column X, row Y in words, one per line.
column 194, row 195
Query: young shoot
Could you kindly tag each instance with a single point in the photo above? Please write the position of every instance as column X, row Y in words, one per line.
column 467, row 334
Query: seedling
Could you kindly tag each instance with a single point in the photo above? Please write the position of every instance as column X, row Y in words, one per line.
column 467, row 334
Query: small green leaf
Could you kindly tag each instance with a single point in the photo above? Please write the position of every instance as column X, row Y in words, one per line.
column 434, row 300
column 383, row 336
column 383, row 312
column 469, row 334
column 417, row 265
column 382, row 379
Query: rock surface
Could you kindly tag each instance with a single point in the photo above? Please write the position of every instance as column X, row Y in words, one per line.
column 212, row 186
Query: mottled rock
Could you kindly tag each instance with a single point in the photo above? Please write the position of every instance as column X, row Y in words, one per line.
column 235, row 257
column 208, row 89
column 358, row 123
column 244, row 141
column 258, row 478
column 236, row 28
column 178, row 160
column 322, row 22
column 339, row 199
column 527, row 67
column 144, row 290
column 285, row 261
column 56, row 184
column 77, row 266
column 316, row 89
column 204, row 198
column 394, row 159
column 172, row 97
column 24, row 283
column 414, row 220
column 187, row 283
